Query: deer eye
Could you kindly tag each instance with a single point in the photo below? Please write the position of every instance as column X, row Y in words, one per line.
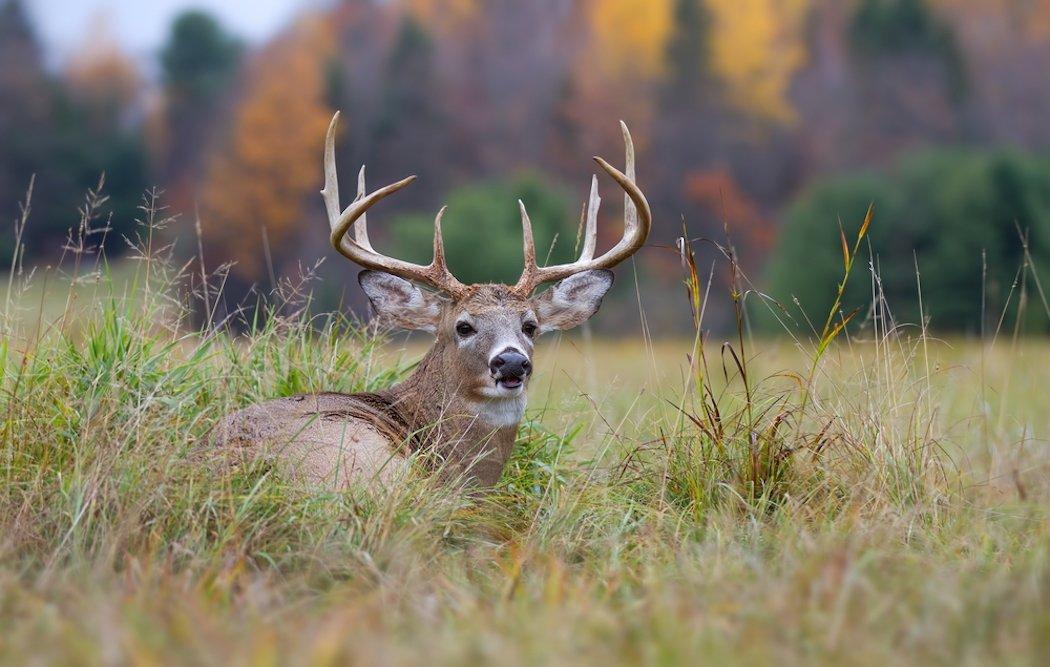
column 529, row 329
column 465, row 329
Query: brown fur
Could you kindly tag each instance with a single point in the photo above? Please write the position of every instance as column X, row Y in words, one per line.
column 463, row 404
column 441, row 410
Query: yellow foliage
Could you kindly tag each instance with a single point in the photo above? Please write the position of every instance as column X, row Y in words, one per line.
column 272, row 161
column 756, row 48
column 629, row 37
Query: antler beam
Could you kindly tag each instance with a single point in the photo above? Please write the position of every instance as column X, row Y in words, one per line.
column 637, row 223
column 359, row 249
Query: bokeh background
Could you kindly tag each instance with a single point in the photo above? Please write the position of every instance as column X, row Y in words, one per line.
column 762, row 127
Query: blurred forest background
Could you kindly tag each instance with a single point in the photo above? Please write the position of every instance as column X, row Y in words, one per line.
column 760, row 124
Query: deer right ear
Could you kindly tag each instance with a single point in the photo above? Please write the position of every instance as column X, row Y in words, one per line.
column 572, row 301
column 399, row 302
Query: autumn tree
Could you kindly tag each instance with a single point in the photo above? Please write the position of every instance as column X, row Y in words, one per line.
column 103, row 78
column 756, row 48
column 67, row 130
column 98, row 116
column 716, row 197
column 613, row 72
column 25, row 113
column 260, row 181
column 628, row 37
column 199, row 63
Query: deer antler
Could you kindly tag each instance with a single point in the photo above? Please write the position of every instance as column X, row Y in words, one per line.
column 637, row 222
column 359, row 249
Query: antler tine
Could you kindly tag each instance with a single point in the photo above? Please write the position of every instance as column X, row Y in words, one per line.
column 439, row 240
column 330, row 192
column 637, row 223
column 361, row 229
column 528, row 249
column 590, row 230
column 359, row 249
column 630, row 211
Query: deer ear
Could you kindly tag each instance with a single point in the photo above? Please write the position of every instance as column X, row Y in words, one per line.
column 572, row 301
column 399, row 302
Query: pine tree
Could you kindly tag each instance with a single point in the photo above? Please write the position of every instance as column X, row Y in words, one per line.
column 884, row 30
column 410, row 127
column 199, row 59
column 199, row 64
column 96, row 122
column 25, row 113
column 691, row 130
column 67, row 133
column 688, row 55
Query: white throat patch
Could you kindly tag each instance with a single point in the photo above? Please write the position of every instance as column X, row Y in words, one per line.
column 501, row 412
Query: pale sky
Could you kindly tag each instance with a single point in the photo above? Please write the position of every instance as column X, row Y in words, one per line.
column 141, row 25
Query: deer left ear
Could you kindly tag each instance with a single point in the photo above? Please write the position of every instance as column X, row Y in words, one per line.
column 572, row 301
column 399, row 302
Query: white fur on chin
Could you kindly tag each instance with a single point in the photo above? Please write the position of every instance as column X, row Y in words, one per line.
column 501, row 406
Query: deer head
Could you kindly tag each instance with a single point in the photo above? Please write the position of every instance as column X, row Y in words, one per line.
column 484, row 332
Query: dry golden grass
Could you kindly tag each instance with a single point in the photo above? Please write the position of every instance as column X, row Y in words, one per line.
column 882, row 500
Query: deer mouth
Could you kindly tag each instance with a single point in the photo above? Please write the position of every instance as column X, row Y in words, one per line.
column 510, row 369
column 510, row 382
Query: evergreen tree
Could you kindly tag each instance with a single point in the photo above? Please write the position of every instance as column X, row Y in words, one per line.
column 688, row 55
column 199, row 64
column 887, row 30
column 409, row 125
column 199, row 60
column 95, row 110
column 953, row 212
column 18, row 44
column 691, row 129
column 25, row 121
column 493, row 202
column 67, row 133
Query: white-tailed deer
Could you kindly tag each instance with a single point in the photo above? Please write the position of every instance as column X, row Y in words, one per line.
column 461, row 407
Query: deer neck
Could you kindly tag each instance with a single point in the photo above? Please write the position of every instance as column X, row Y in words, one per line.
column 463, row 430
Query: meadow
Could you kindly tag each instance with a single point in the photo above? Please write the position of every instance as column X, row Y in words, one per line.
column 878, row 497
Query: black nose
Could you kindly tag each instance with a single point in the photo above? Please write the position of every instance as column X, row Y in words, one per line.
column 510, row 364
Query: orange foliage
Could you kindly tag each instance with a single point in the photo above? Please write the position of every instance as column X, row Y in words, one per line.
column 718, row 197
column 272, row 160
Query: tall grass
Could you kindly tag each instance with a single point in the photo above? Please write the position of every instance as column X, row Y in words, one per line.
column 744, row 512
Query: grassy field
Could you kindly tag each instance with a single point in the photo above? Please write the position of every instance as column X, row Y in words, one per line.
column 887, row 502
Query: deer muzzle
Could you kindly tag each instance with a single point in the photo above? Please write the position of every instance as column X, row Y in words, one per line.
column 510, row 368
